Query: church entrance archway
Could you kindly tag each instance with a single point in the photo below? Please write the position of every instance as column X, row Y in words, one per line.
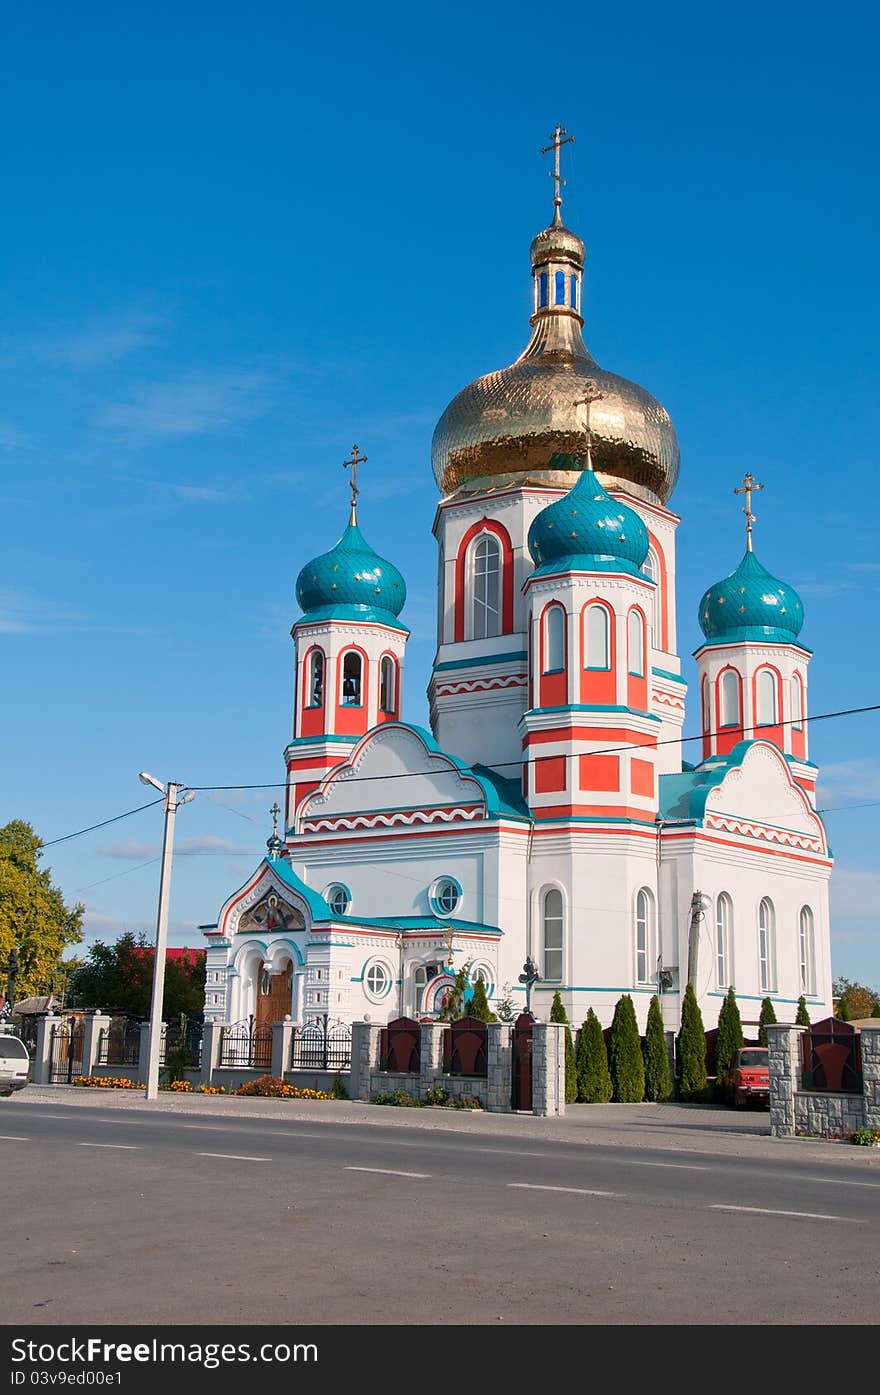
column 274, row 995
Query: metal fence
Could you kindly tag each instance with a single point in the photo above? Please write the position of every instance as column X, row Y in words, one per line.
column 321, row 1046
column 120, row 1043
column 182, row 1038
column 244, row 1044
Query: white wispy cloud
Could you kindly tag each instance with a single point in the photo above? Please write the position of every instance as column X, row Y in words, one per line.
column 842, row 782
column 103, row 341
column 131, row 851
column 855, row 917
column 193, row 404
column 22, row 614
column 209, row 843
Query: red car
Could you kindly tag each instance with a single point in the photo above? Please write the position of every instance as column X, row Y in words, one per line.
column 748, row 1080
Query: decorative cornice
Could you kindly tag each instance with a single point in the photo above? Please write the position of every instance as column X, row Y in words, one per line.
column 407, row 818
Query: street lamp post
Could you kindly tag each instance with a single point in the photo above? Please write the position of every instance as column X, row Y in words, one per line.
column 173, row 799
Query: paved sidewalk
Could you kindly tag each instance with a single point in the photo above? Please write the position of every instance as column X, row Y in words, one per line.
column 673, row 1127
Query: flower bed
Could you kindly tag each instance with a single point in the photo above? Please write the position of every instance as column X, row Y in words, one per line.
column 107, row 1082
column 867, row 1138
column 273, row 1087
column 436, row 1097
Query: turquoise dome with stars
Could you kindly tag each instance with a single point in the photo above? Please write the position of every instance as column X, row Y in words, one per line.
column 351, row 582
column 588, row 529
column 751, row 604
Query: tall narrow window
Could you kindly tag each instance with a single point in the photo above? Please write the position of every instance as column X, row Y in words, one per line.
column 730, row 716
column 316, row 679
column 487, row 588
column 806, row 950
column 596, row 638
column 707, row 705
column 554, row 639
column 650, row 569
column 797, row 702
column 644, row 935
column 352, row 671
column 560, row 288
column 387, row 684
column 766, row 945
column 723, row 940
column 636, row 638
column 768, row 714
column 553, row 928
column 573, row 282
column 542, row 290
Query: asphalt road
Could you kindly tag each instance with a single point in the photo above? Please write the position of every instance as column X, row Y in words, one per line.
column 127, row 1216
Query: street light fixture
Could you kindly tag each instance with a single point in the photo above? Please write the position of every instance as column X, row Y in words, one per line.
column 173, row 799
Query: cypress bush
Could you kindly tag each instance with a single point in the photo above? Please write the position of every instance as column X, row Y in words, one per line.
column 479, row 1004
column 767, row 1017
column 625, row 1054
column 691, row 1049
column 730, row 1038
column 803, row 1017
column 658, row 1080
column 558, row 1014
column 593, row 1076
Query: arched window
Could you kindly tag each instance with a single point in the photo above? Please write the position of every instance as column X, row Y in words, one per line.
column 730, row 714
column 651, row 570
column 560, row 288
column 797, row 702
column 767, row 945
column 542, row 290
column 723, row 940
column 635, row 631
column 806, row 950
column 554, row 639
column 486, row 587
column 707, row 705
column 387, row 685
column 644, row 935
column 552, row 926
column 597, row 646
column 315, row 688
column 352, row 672
column 768, row 712
column 574, row 292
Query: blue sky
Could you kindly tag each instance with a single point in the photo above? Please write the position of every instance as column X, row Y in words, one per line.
column 236, row 239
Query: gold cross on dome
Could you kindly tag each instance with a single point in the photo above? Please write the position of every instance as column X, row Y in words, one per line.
column 748, row 487
column 352, row 464
column 275, row 811
column 559, row 138
column 591, row 395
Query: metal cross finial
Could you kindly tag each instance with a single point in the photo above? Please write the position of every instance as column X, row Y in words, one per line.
column 352, row 464
column 591, row 395
column 275, row 811
column 748, row 486
column 559, row 138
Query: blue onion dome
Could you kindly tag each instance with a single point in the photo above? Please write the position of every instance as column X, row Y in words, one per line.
column 353, row 582
column 588, row 529
column 751, row 604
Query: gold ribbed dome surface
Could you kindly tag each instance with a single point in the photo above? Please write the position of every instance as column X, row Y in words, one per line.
column 505, row 427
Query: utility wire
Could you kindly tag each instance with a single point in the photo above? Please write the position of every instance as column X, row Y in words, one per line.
column 91, row 829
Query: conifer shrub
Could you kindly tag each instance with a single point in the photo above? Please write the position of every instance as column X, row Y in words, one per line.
column 625, row 1054
column 558, row 1014
column 803, row 1017
column 767, row 1018
column 593, row 1076
column 691, row 1050
column 729, row 1040
column 658, row 1078
column 479, row 1004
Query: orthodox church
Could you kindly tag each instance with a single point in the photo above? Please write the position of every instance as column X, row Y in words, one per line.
column 547, row 811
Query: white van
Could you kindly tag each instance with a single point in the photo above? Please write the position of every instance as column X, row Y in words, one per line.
column 14, row 1063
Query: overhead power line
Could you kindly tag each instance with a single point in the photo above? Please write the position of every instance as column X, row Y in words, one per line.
column 92, row 827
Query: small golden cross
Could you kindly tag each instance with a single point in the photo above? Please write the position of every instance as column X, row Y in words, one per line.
column 748, row 486
column 275, row 811
column 352, row 464
column 556, row 143
column 592, row 395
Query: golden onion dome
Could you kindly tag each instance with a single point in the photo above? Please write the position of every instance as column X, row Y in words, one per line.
column 506, row 427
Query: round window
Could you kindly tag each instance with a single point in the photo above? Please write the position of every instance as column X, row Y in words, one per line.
column 377, row 981
column 338, row 898
column 445, row 896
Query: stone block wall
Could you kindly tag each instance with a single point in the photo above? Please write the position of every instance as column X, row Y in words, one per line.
column 819, row 1113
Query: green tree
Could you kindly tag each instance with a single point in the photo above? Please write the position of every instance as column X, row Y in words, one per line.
column 856, row 1000
column 119, row 978
column 625, row 1054
column 558, row 1014
column 766, row 1018
column 479, row 1004
column 593, row 1076
column 505, row 1007
column 729, row 1040
column 658, row 1078
column 803, row 1017
column 33, row 914
column 691, row 1049
column 455, row 1003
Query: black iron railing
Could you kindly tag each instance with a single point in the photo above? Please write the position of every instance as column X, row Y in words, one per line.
column 244, row 1044
column 321, row 1045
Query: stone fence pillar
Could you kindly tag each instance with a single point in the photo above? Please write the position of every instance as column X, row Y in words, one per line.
column 871, row 1075
column 548, row 1068
column 41, row 1066
column 93, row 1025
column 210, row 1051
column 364, row 1059
column 431, row 1056
column 500, row 1054
column 282, row 1036
column 784, row 1054
column 144, row 1052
